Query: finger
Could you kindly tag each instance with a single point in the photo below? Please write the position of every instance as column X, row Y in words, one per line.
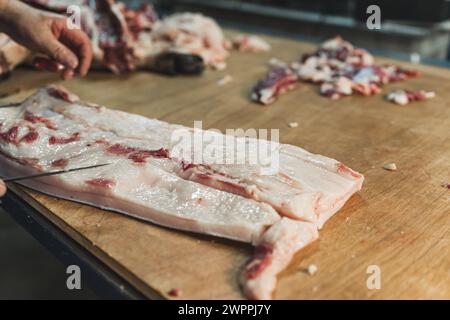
column 2, row 188
column 80, row 43
column 47, row 64
column 67, row 74
column 52, row 66
column 60, row 53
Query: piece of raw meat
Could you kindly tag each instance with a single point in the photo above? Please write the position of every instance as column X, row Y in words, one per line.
column 337, row 88
column 403, row 97
column 149, row 193
column 280, row 79
column 305, row 186
column 194, row 34
column 134, row 183
column 273, row 254
column 150, row 179
column 249, row 43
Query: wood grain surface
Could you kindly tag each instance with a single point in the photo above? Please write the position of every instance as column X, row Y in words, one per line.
column 399, row 222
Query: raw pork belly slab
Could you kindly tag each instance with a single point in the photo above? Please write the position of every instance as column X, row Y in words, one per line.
column 148, row 178
column 307, row 186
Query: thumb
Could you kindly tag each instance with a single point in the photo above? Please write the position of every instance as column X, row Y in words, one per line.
column 2, row 188
column 60, row 53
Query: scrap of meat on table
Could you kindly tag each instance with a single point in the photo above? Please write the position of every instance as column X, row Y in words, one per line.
column 250, row 43
column 403, row 97
column 150, row 177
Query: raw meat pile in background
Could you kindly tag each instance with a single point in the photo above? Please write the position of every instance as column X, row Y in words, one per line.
column 150, row 179
column 338, row 67
column 125, row 39
column 280, row 79
column 403, row 97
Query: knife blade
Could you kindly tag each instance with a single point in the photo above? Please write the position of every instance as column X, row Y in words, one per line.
column 52, row 173
column 10, row 105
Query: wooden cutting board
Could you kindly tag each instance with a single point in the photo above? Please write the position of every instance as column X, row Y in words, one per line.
column 399, row 222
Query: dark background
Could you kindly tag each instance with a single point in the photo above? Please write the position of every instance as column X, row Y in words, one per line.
column 408, row 26
column 28, row 270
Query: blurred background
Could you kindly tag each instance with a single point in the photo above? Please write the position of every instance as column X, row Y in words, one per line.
column 418, row 27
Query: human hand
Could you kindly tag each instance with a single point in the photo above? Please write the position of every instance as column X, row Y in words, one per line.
column 47, row 34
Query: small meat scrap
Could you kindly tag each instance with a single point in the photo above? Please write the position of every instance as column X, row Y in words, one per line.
column 175, row 292
column 337, row 88
column 403, row 97
column 225, row 80
column 250, row 43
column 312, row 269
column 390, row 166
column 275, row 62
column 279, row 80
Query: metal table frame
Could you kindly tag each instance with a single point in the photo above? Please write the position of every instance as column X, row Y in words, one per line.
column 99, row 277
